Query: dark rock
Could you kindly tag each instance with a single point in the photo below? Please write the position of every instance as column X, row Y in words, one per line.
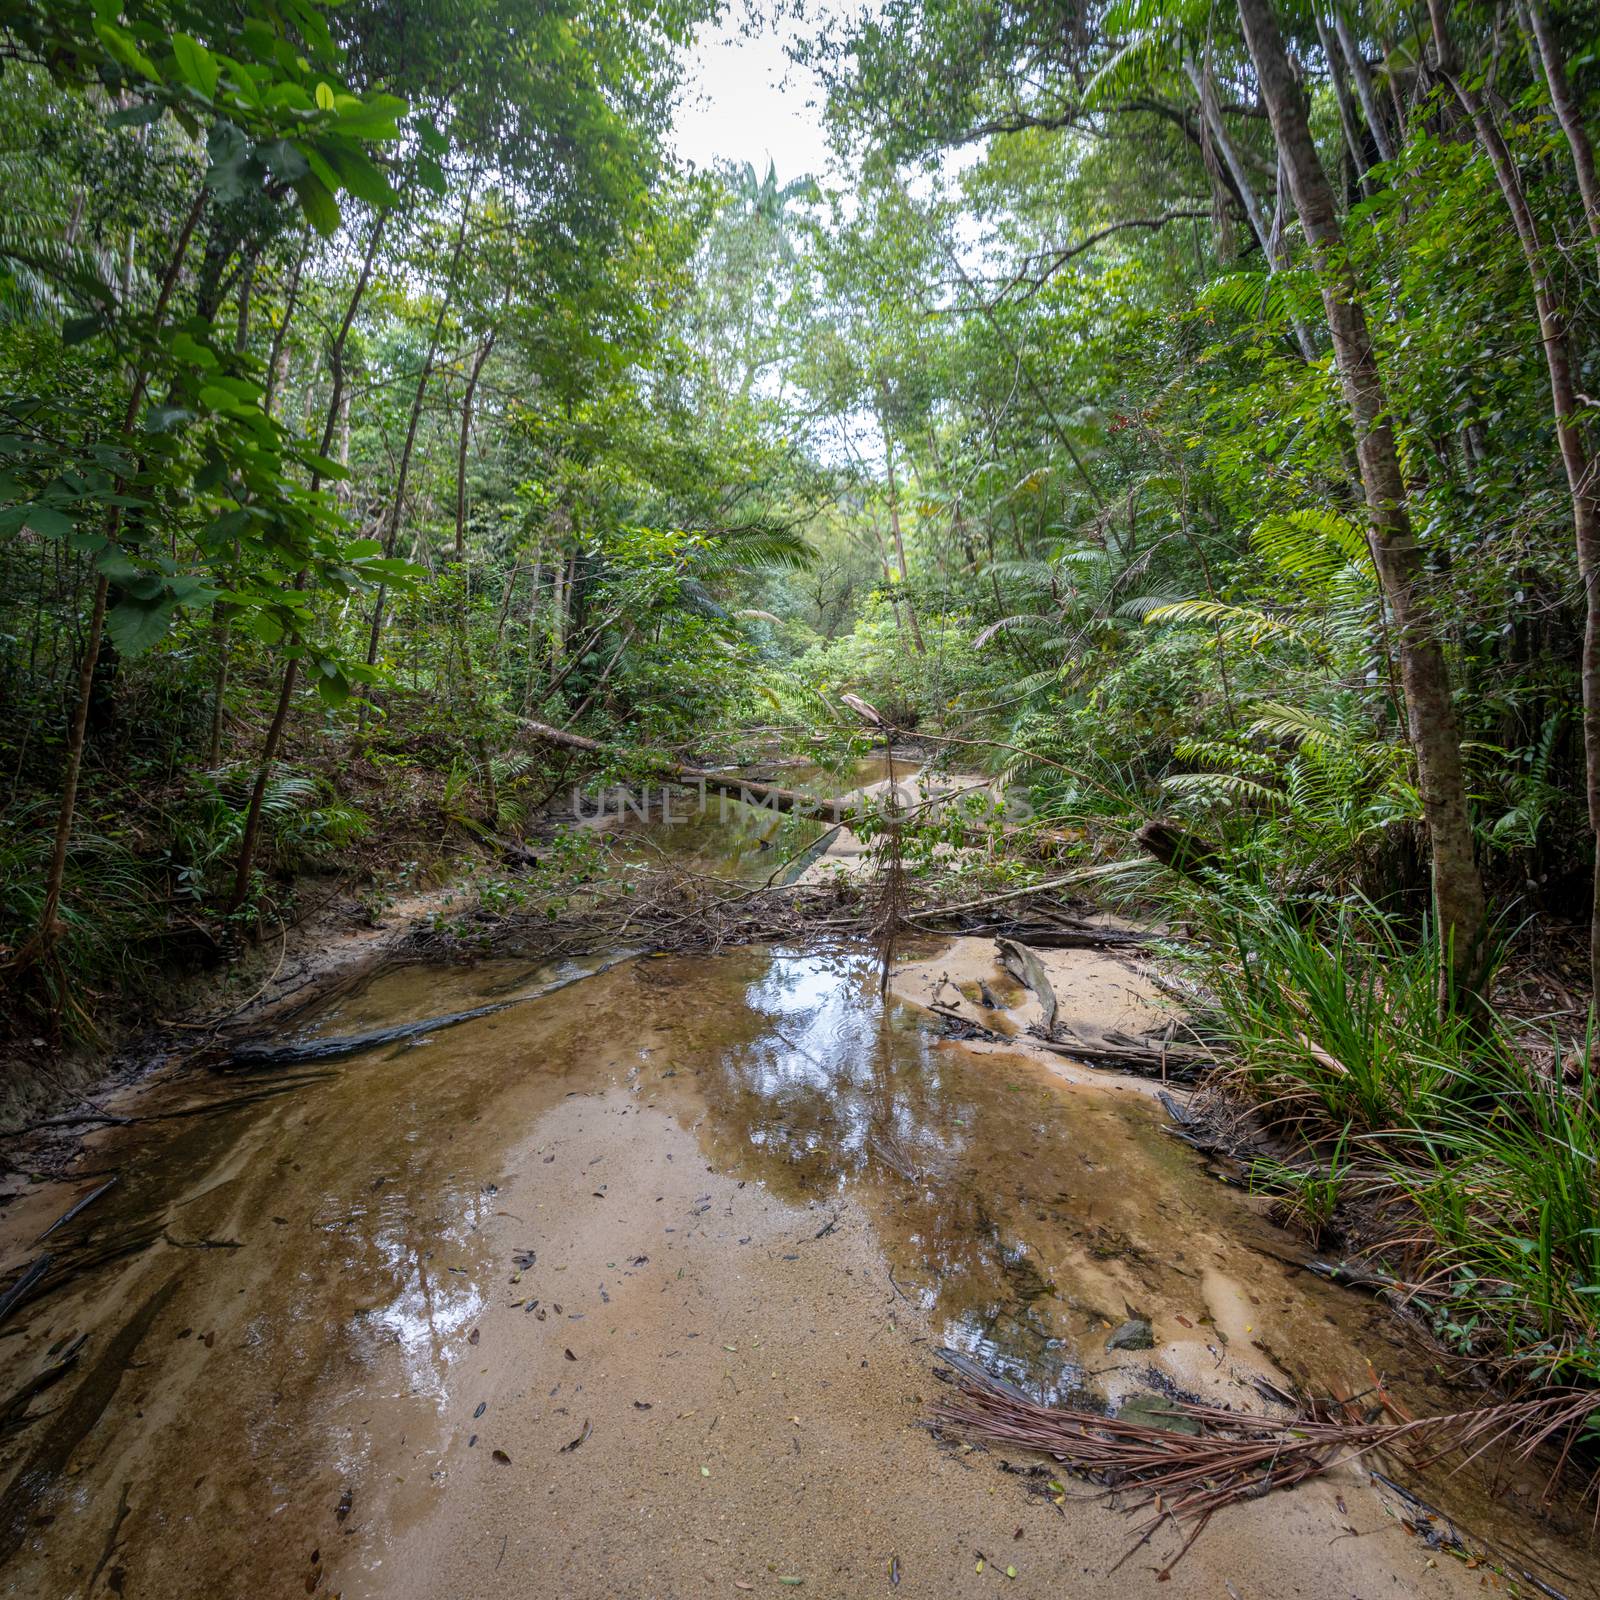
column 1134, row 1334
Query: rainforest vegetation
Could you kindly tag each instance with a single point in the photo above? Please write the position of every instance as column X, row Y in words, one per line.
column 1184, row 412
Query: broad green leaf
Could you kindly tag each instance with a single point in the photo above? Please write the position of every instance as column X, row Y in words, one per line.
column 321, row 209
column 196, row 63
column 46, row 520
column 136, row 625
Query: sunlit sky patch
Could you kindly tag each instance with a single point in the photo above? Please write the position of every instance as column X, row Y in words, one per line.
column 746, row 101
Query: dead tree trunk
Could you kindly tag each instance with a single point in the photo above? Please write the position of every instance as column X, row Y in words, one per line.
column 1430, row 707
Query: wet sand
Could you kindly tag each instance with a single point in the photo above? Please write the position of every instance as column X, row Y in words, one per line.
column 750, row 1202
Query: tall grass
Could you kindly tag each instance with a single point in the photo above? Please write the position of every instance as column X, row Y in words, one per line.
column 1508, row 1195
column 1338, row 1017
column 1487, row 1162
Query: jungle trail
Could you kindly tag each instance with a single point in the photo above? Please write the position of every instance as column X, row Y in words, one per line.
column 731, row 879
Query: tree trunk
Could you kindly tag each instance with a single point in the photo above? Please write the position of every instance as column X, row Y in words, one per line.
column 1341, row 94
column 1569, row 116
column 269, row 750
column 342, row 338
column 1430, row 708
column 45, row 935
column 396, row 509
column 466, row 440
column 1581, row 466
column 899, row 541
column 277, row 360
column 252, row 820
column 1273, row 249
column 1363, row 82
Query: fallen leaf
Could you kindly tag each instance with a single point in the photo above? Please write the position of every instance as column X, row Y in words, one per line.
column 501, row 1457
column 587, row 1430
column 570, row 1356
column 472, row 1338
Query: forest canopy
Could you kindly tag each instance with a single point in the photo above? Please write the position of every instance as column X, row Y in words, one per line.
column 1193, row 411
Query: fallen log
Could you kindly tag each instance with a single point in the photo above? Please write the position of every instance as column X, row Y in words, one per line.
column 1042, row 936
column 257, row 1055
column 1183, row 852
column 1025, row 966
column 836, row 811
column 1172, row 1063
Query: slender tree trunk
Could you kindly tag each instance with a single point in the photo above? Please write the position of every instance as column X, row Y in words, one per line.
column 396, row 510
column 1580, row 464
column 1212, row 112
column 600, row 683
column 894, row 527
column 466, row 440
column 269, row 752
column 1274, row 251
column 251, row 836
column 1430, row 708
column 47, row 932
column 278, row 357
column 1569, row 116
column 342, row 339
column 1341, row 94
column 1363, row 82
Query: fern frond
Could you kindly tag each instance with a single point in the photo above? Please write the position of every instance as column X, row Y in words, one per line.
column 1239, row 623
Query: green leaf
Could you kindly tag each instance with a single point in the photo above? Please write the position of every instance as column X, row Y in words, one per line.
column 284, row 159
column 115, row 565
column 324, row 97
column 196, row 63
column 321, row 209
column 47, row 521
column 189, row 350
column 136, row 116
column 263, row 625
column 136, row 625
column 361, row 176
column 120, row 45
column 78, row 330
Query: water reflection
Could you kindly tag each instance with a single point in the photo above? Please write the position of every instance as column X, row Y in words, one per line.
column 974, row 1184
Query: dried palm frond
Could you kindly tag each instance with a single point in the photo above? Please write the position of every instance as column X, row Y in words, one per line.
column 1212, row 1458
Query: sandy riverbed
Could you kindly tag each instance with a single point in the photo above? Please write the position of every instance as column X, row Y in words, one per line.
column 749, row 1201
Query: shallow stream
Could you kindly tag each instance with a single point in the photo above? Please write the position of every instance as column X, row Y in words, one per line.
column 632, row 1288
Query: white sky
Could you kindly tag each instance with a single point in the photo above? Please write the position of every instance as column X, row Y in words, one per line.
column 745, row 101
